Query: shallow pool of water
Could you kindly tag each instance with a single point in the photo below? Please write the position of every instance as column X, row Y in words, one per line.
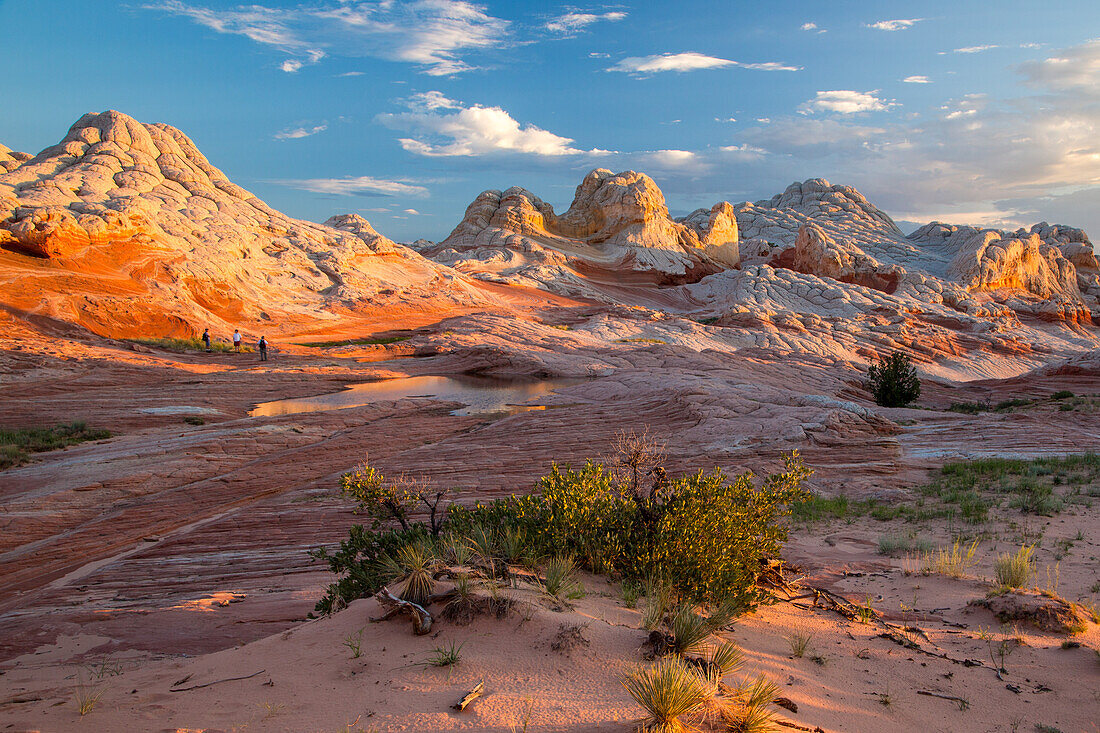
column 481, row 395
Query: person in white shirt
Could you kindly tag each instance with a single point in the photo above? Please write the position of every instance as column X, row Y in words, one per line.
column 236, row 340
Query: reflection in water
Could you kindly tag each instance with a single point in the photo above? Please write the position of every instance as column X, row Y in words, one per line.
column 481, row 395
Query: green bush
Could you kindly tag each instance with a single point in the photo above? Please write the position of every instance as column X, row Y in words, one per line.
column 1063, row 394
column 705, row 535
column 893, row 381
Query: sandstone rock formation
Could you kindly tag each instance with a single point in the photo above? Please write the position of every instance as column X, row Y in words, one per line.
column 617, row 226
column 140, row 233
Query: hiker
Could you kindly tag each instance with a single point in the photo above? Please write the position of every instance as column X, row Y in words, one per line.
column 263, row 349
column 236, row 340
column 206, row 338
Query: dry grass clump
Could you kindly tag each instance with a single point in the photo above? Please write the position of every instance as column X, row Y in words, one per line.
column 800, row 644
column 951, row 561
column 1014, row 571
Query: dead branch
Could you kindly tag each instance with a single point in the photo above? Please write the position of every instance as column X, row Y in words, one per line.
column 952, row 698
column 796, row 726
column 422, row 620
column 216, row 682
column 470, row 697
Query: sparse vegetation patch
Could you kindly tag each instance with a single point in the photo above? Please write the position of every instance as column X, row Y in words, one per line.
column 17, row 444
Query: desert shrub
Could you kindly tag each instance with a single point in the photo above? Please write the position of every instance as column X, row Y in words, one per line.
column 706, row 536
column 1062, row 394
column 968, row 408
column 893, row 381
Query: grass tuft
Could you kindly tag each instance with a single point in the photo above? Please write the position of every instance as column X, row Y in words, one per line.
column 1014, row 571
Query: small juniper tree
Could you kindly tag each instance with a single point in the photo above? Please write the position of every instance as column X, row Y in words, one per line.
column 893, row 381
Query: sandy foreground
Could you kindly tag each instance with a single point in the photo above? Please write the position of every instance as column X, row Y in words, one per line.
column 173, row 556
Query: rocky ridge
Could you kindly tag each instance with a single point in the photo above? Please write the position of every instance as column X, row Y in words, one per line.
column 617, row 223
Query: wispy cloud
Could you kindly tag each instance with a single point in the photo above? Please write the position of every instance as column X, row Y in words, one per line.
column 809, row 27
column 895, row 25
column 846, row 102
column 299, row 132
column 975, row 49
column 442, row 127
column 571, row 23
column 917, row 80
column 433, row 34
column 359, row 185
column 689, row 61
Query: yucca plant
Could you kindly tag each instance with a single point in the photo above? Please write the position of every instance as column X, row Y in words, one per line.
column 483, row 543
column 455, row 549
column 416, row 562
column 690, row 631
column 513, row 545
column 725, row 659
column 667, row 691
column 560, row 571
column 658, row 600
column 751, row 713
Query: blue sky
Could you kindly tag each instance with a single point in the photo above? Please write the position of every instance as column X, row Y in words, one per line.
column 403, row 111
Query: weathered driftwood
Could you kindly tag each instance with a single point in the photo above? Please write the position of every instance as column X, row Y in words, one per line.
column 421, row 619
column 215, row 682
column 470, row 697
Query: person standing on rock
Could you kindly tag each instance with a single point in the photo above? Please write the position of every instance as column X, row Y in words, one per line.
column 263, row 348
column 206, row 338
column 236, row 340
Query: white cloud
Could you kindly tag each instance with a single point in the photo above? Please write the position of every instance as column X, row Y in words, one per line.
column 689, row 61
column 846, row 102
column 444, row 127
column 414, row 212
column 895, row 25
column 1074, row 70
column 975, row 49
column 1031, row 45
column 599, row 55
column 917, row 80
column 432, row 34
column 351, row 73
column 363, row 185
column 809, row 26
column 570, row 23
column 299, row 132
